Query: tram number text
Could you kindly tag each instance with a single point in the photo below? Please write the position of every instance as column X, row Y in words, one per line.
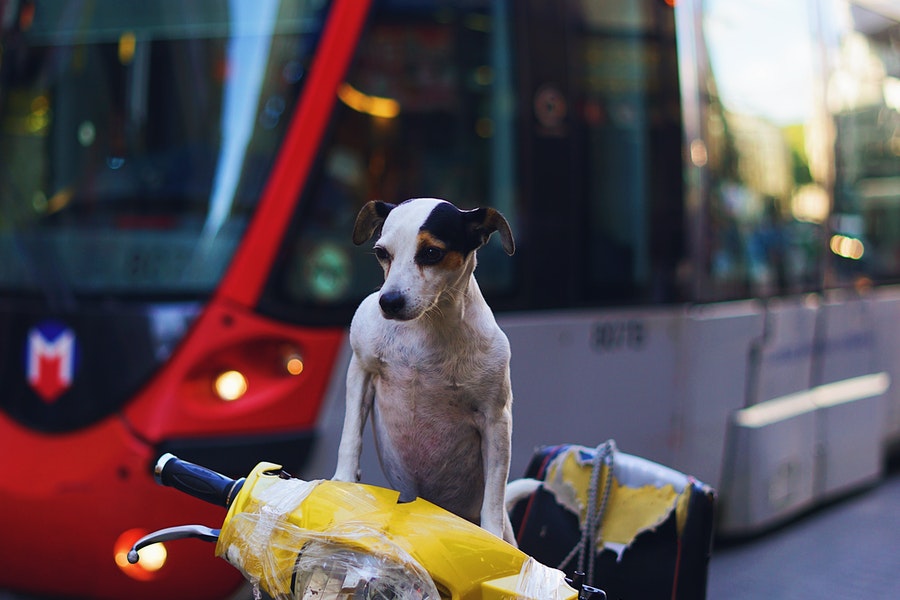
column 616, row 336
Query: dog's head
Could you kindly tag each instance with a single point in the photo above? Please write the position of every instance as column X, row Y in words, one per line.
column 426, row 248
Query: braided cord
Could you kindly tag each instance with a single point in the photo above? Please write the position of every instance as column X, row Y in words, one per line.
column 591, row 532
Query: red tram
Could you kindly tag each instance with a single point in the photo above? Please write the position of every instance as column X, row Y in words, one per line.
column 708, row 224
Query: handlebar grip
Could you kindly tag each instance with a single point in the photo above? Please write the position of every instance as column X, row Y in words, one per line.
column 196, row 481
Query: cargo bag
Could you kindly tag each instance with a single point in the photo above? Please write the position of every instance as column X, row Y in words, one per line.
column 634, row 528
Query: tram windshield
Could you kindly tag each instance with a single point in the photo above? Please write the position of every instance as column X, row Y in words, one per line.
column 567, row 120
column 135, row 138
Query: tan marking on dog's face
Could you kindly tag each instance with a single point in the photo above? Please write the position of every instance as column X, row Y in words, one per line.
column 451, row 261
column 425, row 239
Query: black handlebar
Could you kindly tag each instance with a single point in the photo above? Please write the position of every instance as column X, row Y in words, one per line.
column 197, row 481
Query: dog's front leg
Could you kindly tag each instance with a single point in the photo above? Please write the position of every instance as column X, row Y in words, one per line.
column 360, row 395
column 495, row 449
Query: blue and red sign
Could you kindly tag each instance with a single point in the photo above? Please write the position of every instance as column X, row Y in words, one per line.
column 50, row 359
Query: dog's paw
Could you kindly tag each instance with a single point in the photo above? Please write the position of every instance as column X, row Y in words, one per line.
column 349, row 477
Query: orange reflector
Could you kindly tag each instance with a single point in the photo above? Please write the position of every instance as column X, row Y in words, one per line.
column 294, row 365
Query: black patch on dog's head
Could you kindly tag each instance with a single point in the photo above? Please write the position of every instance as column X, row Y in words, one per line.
column 448, row 224
column 464, row 231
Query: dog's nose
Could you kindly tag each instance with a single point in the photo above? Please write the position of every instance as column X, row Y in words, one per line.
column 392, row 303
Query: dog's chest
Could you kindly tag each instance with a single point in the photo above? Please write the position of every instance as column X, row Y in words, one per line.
column 431, row 402
column 446, row 363
column 424, row 389
column 429, row 441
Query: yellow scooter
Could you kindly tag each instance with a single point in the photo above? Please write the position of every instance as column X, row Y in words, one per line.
column 332, row 540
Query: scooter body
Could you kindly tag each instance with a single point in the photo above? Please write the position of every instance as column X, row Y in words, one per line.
column 336, row 540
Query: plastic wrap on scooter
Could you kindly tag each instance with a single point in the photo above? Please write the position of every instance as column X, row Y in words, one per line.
column 537, row 580
column 290, row 561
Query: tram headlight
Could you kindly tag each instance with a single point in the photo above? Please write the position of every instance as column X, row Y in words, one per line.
column 230, row 385
column 222, row 377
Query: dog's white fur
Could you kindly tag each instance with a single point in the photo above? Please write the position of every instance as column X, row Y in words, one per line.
column 434, row 375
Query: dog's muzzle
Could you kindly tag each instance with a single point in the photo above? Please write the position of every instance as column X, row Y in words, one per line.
column 392, row 304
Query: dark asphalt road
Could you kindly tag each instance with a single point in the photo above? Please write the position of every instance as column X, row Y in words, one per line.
column 847, row 550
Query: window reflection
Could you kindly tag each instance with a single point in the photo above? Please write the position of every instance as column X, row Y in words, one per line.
column 864, row 95
column 768, row 198
column 132, row 155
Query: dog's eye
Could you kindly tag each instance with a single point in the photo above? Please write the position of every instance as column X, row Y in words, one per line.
column 431, row 255
column 381, row 253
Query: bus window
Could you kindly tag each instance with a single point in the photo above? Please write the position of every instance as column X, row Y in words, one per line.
column 426, row 111
column 767, row 151
column 628, row 137
column 864, row 95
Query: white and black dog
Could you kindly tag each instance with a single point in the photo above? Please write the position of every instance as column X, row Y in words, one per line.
column 430, row 362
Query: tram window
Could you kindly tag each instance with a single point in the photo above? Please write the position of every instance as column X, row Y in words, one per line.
column 864, row 94
column 629, row 139
column 136, row 139
column 768, row 197
column 426, row 111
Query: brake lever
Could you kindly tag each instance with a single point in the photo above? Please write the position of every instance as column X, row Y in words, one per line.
column 181, row 532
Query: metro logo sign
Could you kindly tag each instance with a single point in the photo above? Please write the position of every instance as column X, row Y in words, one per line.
column 50, row 359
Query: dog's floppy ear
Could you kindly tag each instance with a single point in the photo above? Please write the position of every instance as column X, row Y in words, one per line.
column 370, row 219
column 485, row 221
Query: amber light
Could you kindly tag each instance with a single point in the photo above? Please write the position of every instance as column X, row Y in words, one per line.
column 847, row 247
column 376, row 106
column 153, row 557
column 293, row 364
column 127, row 44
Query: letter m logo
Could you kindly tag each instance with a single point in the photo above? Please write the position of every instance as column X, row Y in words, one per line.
column 50, row 360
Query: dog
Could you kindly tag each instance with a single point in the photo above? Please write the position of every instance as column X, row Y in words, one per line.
column 430, row 364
